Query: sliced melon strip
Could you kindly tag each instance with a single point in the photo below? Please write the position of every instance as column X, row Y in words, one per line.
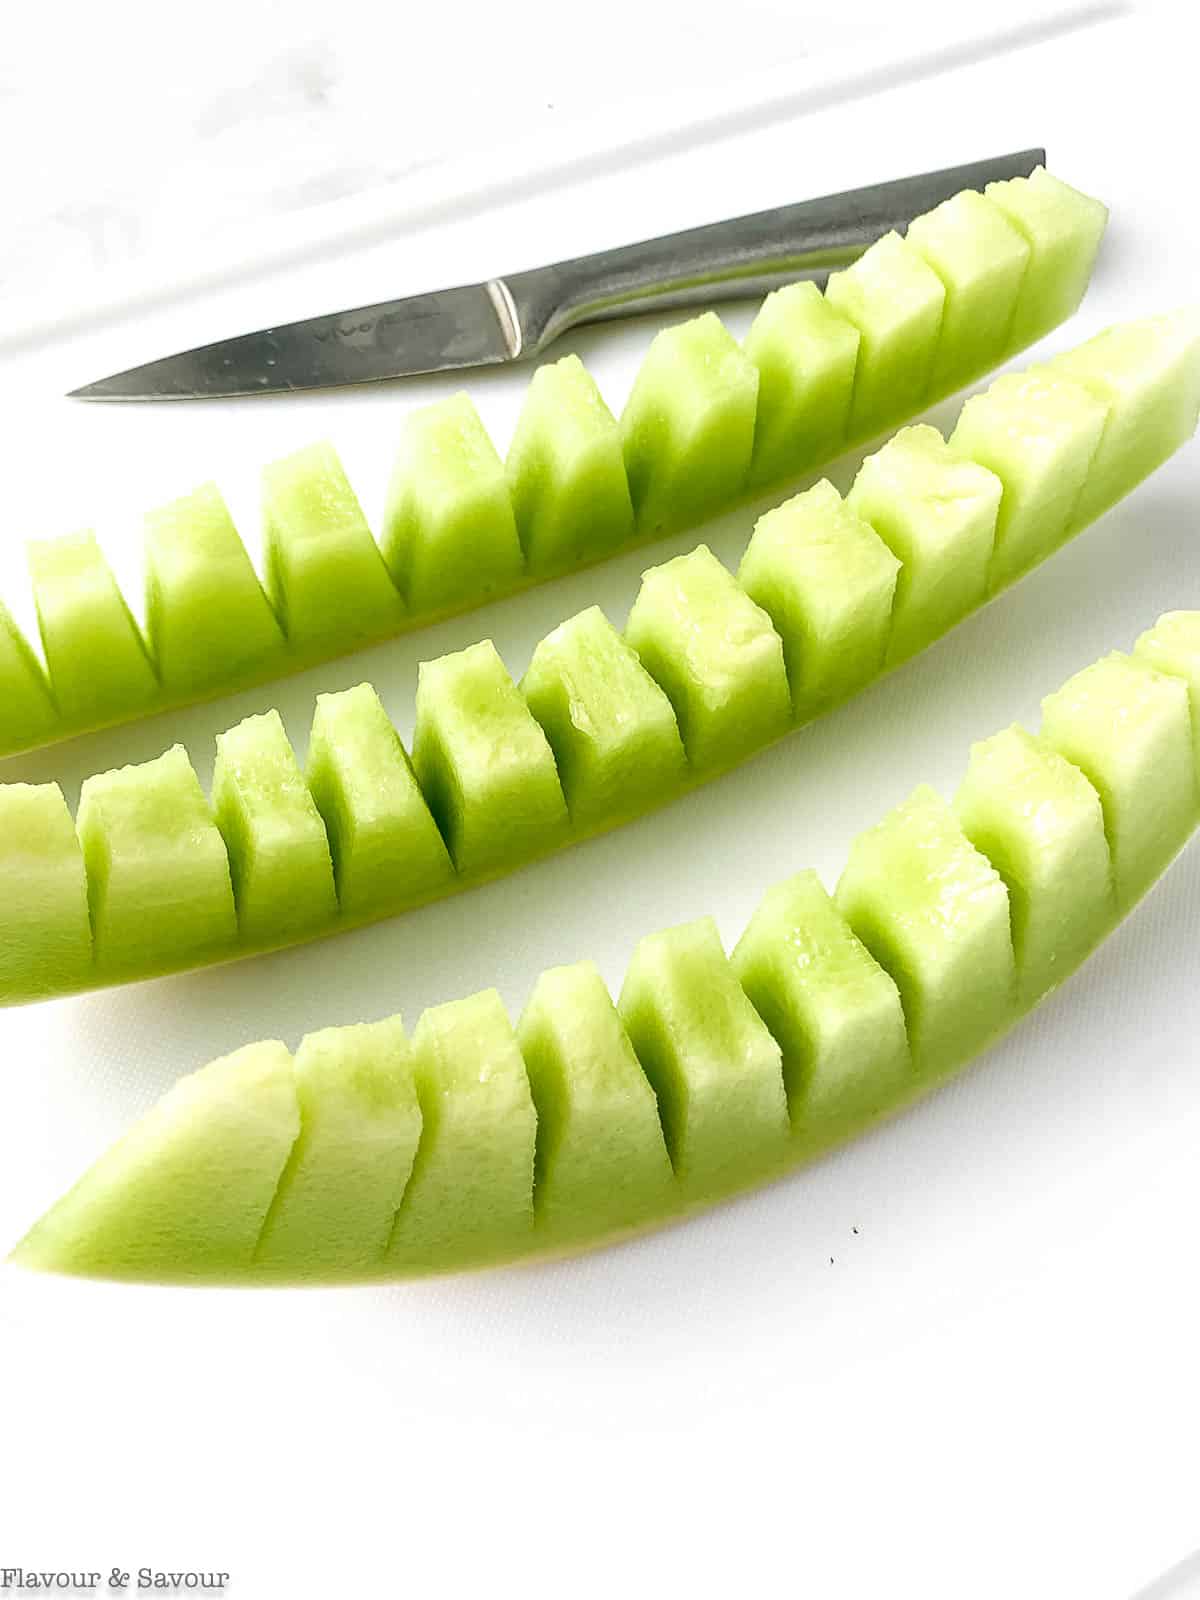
column 360, row 1122
column 325, row 575
column 158, row 875
column 827, row 581
column 94, row 653
column 278, row 849
column 385, row 845
column 1128, row 729
column 1064, row 229
column 207, row 617
column 600, row 1149
column 45, row 935
column 471, row 1190
column 483, row 762
column 1172, row 646
column 449, row 534
column 566, row 471
column 610, row 726
column 688, row 425
column 27, row 713
column 805, row 355
column 715, row 653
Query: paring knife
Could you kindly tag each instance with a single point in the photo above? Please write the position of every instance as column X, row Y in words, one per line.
column 516, row 317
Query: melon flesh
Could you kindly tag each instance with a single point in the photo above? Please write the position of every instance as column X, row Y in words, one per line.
column 207, row 618
column 183, row 1195
column 715, row 654
column 45, row 936
column 94, row 652
column 325, row 575
column 611, row 728
column 1064, row 229
column 895, row 299
column 471, row 1189
column 449, row 535
column 483, row 763
column 1038, row 431
column 834, row 1011
column 159, row 889
column 27, row 713
column 827, row 581
column 360, row 1123
column 688, row 425
column 1039, row 822
column 934, row 913
column 805, row 355
column 385, row 845
column 278, row 849
column 566, row 471
column 936, row 511
column 981, row 259
column 601, row 1158
column 714, row 1067
column 1128, row 730
column 1172, row 646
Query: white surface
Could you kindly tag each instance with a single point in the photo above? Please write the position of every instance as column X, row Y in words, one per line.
column 987, row 1390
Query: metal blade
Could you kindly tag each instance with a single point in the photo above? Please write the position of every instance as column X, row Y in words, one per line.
column 466, row 327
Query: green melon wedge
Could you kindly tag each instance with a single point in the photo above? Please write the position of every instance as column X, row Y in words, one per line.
column 28, row 715
column 325, row 575
column 611, row 728
column 278, row 848
column 566, row 472
column 384, row 842
column 45, row 935
column 1064, row 229
column 95, row 655
column 449, row 535
column 830, row 1016
column 1172, row 646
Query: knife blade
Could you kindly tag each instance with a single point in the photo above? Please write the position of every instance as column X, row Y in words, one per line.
column 517, row 316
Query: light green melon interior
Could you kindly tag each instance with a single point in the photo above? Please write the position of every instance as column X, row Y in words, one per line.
column 366, row 1158
column 604, row 727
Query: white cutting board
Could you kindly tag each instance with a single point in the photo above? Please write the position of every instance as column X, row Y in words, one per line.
column 955, row 1360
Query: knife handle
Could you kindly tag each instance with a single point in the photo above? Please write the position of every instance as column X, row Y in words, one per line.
column 732, row 260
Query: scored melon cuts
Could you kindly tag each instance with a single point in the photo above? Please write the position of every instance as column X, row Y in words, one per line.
column 1172, row 646
column 45, row 935
column 325, row 575
column 566, row 471
column 1064, row 229
column 449, row 535
column 27, row 713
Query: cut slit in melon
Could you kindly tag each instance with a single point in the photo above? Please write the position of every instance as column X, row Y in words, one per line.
column 707, row 421
column 603, row 728
column 832, row 1013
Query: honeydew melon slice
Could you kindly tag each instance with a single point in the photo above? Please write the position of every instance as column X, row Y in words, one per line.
column 483, row 762
column 715, row 654
column 325, row 575
column 95, row 655
column 360, row 1123
column 981, row 259
column 1064, row 229
column 183, row 1195
column 827, row 581
column 1039, row 822
column 278, row 848
column 805, row 354
column 566, row 471
column 835, row 1012
column 449, row 535
column 1172, row 646
column 1148, row 373
column 688, row 425
column 934, row 913
column 1128, row 730
column 27, row 713
column 159, row 890
column 601, row 1159
column 207, row 618
column 45, row 936
column 895, row 299
column 611, row 728
column 385, row 845
column 471, row 1190
column 1038, row 432
column 715, row 1069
